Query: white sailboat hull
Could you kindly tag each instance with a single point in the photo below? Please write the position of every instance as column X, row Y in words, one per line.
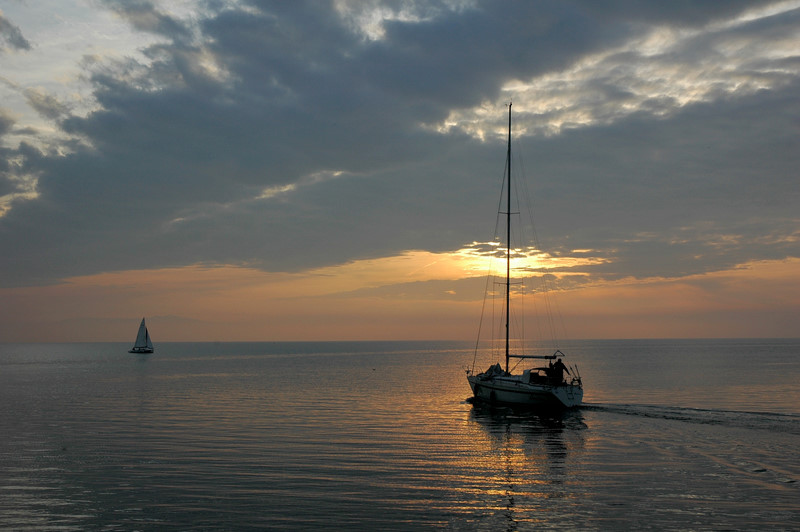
column 512, row 390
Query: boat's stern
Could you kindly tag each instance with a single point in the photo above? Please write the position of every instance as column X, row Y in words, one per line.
column 570, row 395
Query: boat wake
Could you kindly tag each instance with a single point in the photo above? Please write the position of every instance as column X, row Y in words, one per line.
column 767, row 421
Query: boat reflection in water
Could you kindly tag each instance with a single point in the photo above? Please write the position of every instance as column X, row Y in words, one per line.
column 526, row 459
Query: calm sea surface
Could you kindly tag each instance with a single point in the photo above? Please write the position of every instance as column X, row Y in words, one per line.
column 681, row 435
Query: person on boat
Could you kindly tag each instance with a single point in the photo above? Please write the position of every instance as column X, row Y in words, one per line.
column 557, row 371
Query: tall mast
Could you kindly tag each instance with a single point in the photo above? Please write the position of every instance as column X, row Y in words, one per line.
column 508, row 239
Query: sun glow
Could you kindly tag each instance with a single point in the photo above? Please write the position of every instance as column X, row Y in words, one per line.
column 415, row 294
column 475, row 260
column 480, row 258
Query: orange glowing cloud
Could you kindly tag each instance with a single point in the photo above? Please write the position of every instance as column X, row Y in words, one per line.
column 202, row 303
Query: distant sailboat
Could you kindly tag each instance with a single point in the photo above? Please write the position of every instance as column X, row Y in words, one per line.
column 143, row 343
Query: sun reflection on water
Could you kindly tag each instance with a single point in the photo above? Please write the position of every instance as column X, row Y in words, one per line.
column 519, row 462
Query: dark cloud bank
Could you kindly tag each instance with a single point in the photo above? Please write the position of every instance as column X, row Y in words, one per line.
column 314, row 145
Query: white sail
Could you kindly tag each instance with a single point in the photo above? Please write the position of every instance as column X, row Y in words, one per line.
column 143, row 344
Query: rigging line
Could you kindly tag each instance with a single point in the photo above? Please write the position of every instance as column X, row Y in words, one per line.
column 552, row 309
column 521, row 184
column 506, row 183
column 516, row 343
column 486, row 291
column 493, row 335
column 489, row 273
column 522, row 323
column 536, row 312
column 480, row 322
column 520, row 187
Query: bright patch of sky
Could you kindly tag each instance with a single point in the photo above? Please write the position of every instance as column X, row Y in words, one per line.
column 64, row 39
column 658, row 73
column 369, row 17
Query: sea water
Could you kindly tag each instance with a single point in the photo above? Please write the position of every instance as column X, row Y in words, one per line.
column 680, row 435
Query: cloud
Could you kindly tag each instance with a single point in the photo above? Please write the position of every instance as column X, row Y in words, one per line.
column 45, row 104
column 145, row 16
column 293, row 136
column 6, row 122
column 11, row 35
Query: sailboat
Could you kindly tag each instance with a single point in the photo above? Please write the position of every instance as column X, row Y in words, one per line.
column 143, row 344
column 538, row 387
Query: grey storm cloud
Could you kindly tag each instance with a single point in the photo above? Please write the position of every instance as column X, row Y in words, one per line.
column 11, row 35
column 276, row 135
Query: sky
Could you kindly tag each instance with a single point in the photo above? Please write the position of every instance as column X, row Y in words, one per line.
column 329, row 170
